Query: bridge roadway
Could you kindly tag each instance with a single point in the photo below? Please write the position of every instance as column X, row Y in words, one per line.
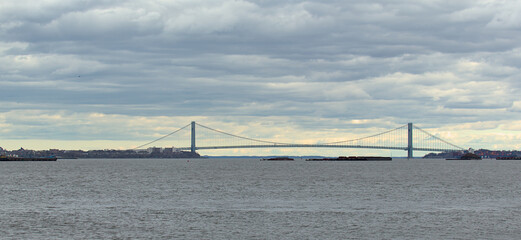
column 317, row 146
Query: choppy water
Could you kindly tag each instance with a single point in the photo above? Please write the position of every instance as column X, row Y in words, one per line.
column 250, row 199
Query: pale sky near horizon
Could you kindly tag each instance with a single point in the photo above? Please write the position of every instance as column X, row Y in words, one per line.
column 116, row 74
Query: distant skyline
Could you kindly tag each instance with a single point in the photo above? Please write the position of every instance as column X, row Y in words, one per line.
column 117, row 74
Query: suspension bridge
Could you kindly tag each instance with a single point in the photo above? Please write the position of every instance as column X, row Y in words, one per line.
column 407, row 137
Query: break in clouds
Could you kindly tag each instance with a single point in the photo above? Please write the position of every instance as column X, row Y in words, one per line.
column 120, row 70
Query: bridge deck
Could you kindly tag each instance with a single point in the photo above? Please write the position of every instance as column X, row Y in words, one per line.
column 317, row 146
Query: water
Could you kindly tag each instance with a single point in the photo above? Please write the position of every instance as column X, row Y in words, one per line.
column 251, row 199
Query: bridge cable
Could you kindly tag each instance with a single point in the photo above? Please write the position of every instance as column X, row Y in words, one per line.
column 161, row 137
column 362, row 138
column 439, row 139
column 250, row 139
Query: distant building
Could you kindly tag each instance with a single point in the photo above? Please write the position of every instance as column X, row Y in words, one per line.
column 154, row 150
column 54, row 151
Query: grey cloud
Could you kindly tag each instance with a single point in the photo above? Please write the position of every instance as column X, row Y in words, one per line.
column 433, row 61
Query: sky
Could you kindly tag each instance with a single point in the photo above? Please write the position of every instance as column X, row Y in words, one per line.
column 116, row 74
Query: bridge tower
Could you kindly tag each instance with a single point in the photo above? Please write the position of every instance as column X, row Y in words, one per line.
column 192, row 146
column 409, row 141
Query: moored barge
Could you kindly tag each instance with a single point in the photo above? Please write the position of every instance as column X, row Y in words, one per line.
column 277, row 159
column 30, row 159
column 508, row 158
column 353, row 158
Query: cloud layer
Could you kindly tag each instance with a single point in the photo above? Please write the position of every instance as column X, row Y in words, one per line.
column 309, row 66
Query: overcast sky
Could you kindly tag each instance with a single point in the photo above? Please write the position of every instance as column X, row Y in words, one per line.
column 116, row 74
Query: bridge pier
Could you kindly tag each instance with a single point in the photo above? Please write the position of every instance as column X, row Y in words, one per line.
column 192, row 146
column 409, row 141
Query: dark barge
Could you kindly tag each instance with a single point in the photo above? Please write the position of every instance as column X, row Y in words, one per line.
column 277, row 159
column 508, row 158
column 353, row 158
column 29, row 159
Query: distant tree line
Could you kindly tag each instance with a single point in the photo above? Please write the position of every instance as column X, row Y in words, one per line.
column 108, row 153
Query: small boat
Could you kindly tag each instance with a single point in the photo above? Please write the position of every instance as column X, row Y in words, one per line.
column 277, row 159
column 32, row 159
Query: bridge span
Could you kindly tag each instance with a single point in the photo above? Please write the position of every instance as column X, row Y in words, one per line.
column 407, row 137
